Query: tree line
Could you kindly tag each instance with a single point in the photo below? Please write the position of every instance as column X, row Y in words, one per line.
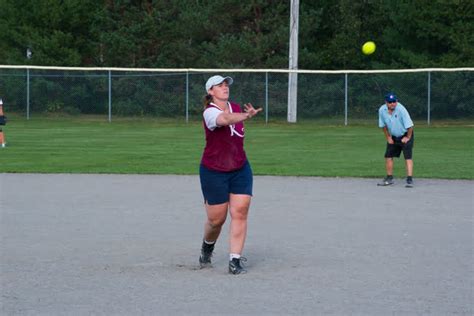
column 236, row 33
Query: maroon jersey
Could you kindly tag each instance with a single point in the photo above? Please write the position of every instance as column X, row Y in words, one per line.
column 224, row 149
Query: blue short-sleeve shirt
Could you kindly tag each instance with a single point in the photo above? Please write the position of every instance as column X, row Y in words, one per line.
column 398, row 122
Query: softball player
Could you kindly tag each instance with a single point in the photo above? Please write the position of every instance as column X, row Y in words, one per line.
column 3, row 121
column 225, row 173
column 398, row 129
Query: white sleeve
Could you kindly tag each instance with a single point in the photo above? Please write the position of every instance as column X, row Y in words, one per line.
column 210, row 117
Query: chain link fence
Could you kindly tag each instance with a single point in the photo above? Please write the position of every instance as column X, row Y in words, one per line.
column 341, row 97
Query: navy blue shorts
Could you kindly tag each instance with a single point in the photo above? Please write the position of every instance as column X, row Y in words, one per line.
column 394, row 150
column 216, row 186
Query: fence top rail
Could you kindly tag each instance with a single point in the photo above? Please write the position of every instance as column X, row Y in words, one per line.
column 223, row 70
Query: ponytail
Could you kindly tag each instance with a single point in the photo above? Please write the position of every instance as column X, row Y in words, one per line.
column 206, row 100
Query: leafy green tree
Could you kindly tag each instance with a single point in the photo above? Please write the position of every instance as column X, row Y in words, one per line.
column 57, row 32
column 429, row 33
column 235, row 33
column 193, row 33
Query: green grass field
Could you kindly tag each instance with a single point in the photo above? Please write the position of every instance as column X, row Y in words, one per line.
column 151, row 146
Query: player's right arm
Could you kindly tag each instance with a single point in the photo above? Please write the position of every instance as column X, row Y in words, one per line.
column 214, row 117
column 225, row 119
column 384, row 126
column 387, row 135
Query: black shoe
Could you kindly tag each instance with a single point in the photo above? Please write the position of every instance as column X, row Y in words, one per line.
column 388, row 180
column 206, row 254
column 235, row 266
column 409, row 183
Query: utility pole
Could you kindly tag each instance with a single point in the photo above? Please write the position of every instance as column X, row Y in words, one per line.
column 293, row 61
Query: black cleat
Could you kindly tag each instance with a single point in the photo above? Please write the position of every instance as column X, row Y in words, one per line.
column 206, row 255
column 409, row 183
column 386, row 181
column 235, row 266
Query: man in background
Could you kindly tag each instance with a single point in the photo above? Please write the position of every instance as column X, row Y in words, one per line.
column 3, row 121
column 398, row 129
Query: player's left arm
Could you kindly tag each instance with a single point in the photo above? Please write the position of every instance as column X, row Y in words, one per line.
column 408, row 124
column 407, row 138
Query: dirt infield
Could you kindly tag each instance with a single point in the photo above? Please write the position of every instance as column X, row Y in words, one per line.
column 128, row 245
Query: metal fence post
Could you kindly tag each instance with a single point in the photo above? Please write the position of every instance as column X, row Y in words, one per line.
column 187, row 96
column 266, row 97
column 27, row 93
column 429, row 98
column 345, row 99
column 110, row 96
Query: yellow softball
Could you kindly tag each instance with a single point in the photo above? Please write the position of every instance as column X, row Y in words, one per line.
column 368, row 48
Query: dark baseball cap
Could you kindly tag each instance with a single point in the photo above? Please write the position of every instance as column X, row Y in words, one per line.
column 391, row 97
